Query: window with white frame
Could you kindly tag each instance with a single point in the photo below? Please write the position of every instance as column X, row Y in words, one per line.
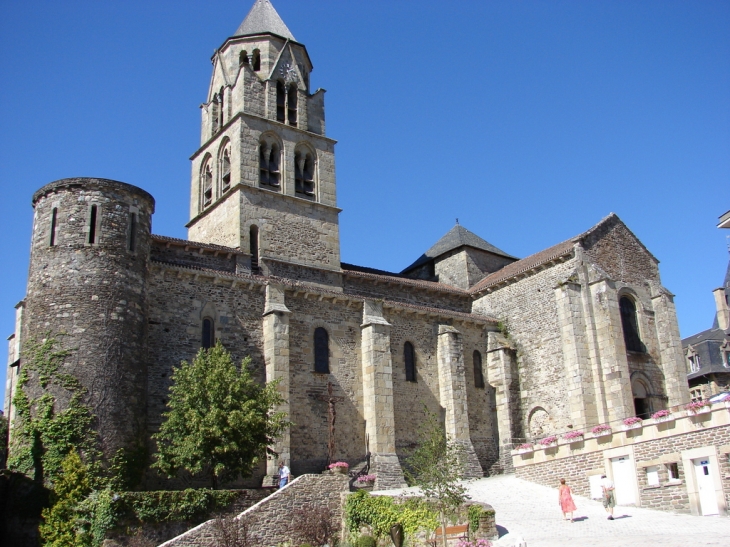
column 652, row 475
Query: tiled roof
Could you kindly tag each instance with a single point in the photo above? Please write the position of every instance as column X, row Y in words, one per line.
column 544, row 256
column 457, row 237
column 195, row 244
column 263, row 19
column 524, row 265
column 292, row 284
column 386, row 277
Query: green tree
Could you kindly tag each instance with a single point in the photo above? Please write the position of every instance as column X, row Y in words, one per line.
column 436, row 467
column 219, row 420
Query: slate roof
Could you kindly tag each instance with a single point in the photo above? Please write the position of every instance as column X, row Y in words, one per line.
column 457, row 237
column 263, row 19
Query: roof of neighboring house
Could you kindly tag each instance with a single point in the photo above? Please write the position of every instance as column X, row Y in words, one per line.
column 457, row 237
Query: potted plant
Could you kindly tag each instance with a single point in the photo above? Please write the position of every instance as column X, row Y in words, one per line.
column 662, row 416
column 697, row 407
column 339, row 467
column 601, row 430
column 549, row 441
column 632, row 423
column 524, row 448
column 366, row 481
column 573, row 436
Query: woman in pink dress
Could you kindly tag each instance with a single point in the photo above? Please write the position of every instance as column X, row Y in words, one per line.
column 566, row 500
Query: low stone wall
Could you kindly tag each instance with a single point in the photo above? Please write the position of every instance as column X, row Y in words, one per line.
column 269, row 521
column 662, row 447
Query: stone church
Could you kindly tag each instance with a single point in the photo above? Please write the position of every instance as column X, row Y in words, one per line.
column 502, row 349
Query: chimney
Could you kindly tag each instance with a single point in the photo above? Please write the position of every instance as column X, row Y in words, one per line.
column 723, row 310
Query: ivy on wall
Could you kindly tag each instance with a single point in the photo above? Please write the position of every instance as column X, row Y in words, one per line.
column 380, row 513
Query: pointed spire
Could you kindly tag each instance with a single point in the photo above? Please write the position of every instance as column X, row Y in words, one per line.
column 263, row 19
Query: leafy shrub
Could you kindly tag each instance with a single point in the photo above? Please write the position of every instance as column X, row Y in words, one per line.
column 365, row 541
column 315, row 525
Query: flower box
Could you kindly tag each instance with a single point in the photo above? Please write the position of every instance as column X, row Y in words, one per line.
column 602, row 430
column 524, row 448
column 547, row 442
column 662, row 417
column 573, row 436
column 340, row 468
column 632, row 423
column 698, row 407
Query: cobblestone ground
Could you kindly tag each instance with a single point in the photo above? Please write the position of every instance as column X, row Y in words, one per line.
column 530, row 511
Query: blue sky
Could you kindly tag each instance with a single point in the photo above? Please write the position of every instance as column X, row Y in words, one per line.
column 529, row 121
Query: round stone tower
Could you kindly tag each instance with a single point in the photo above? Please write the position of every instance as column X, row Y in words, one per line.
column 87, row 287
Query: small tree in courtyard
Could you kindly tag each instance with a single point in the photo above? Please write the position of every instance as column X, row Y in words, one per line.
column 219, row 420
column 436, row 466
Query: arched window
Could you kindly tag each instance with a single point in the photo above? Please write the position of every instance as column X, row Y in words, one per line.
column 321, row 350
column 206, row 184
column 208, row 337
column 478, row 374
column 292, row 98
column 253, row 235
column 642, row 404
column 215, row 110
column 243, row 58
column 280, row 102
column 256, row 60
column 630, row 324
column 409, row 358
column 304, row 172
column 269, row 157
column 225, row 171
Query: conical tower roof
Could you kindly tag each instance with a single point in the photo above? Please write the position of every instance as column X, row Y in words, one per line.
column 457, row 237
column 263, row 19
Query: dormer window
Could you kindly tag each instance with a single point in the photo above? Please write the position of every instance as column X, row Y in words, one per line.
column 304, row 172
column 243, row 58
column 269, row 160
column 256, row 60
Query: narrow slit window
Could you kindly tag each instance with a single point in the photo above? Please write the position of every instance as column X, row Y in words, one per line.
column 321, row 350
column 208, row 334
column 254, row 248
column 280, row 102
column 292, row 98
column 630, row 324
column 256, row 60
column 92, row 225
column 132, row 231
column 478, row 371
column 221, row 109
column 225, row 172
column 409, row 357
column 54, row 226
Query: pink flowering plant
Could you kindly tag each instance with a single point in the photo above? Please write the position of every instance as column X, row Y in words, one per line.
column 696, row 406
column 661, row 414
column 366, row 478
column 339, row 464
column 547, row 441
column 525, row 446
column 603, row 428
column 573, row 435
column 476, row 543
column 634, row 420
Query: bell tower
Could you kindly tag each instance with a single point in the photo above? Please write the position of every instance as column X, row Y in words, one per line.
column 263, row 179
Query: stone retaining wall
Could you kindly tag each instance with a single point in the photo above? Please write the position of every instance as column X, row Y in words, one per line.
column 270, row 520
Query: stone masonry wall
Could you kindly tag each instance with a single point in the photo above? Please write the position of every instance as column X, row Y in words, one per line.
column 529, row 310
column 270, row 521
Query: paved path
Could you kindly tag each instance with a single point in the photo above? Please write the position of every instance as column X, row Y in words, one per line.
column 531, row 511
